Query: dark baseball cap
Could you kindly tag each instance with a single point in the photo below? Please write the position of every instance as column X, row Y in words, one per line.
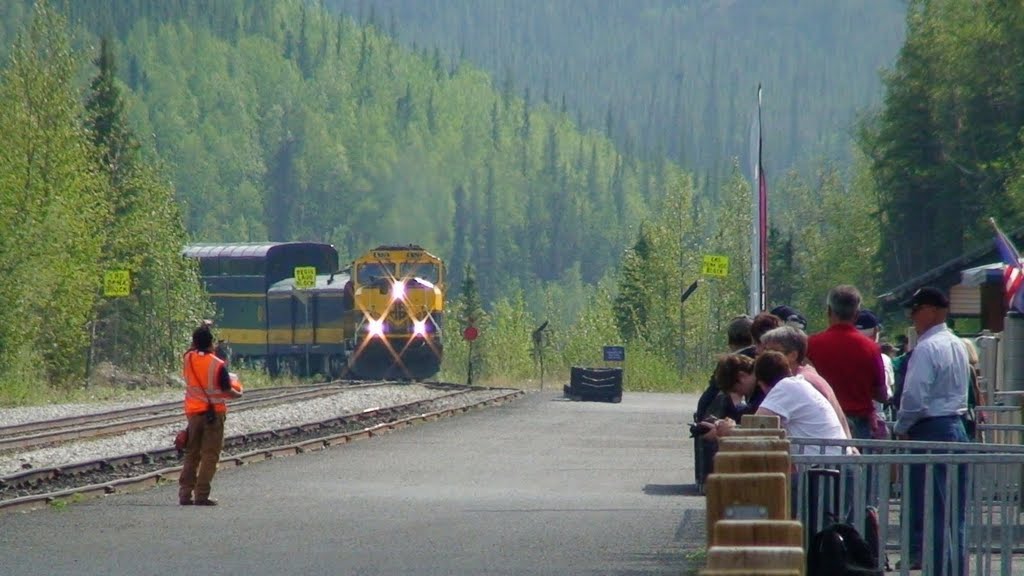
column 789, row 315
column 928, row 296
column 866, row 320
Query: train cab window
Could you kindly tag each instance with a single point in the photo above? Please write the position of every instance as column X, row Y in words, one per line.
column 371, row 272
column 425, row 270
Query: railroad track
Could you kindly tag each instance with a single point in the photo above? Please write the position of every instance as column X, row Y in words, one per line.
column 37, row 487
column 47, row 432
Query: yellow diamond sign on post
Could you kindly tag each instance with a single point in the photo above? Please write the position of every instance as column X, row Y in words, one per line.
column 715, row 266
column 305, row 277
column 117, row 283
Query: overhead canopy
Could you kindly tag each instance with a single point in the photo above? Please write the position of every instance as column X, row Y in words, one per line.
column 948, row 274
column 982, row 274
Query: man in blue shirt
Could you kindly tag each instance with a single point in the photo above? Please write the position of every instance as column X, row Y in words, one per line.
column 934, row 398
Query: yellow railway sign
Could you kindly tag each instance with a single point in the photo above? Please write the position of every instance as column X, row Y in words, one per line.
column 305, row 277
column 715, row 266
column 117, row 283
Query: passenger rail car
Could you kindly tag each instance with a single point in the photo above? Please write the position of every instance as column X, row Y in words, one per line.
column 263, row 319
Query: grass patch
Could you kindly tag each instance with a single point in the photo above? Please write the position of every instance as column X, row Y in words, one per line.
column 63, row 503
column 20, row 386
column 696, row 559
column 23, row 388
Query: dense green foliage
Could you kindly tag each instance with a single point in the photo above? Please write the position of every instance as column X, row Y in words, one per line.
column 945, row 148
column 281, row 121
column 670, row 76
column 76, row 204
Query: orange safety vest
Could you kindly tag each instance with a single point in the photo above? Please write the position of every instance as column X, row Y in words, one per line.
column 201, row 388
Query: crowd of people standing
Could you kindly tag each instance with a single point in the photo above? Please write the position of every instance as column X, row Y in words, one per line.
column 842, row 383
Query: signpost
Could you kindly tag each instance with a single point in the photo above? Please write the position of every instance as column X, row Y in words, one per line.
column 305, row 277
column 117, row 283
column 715, row 266
column 469, row 335
column 538, row 348
column 614, row 353
column 686, row 294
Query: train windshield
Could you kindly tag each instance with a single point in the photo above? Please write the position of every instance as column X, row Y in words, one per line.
column 425, row 270
column 372, row 272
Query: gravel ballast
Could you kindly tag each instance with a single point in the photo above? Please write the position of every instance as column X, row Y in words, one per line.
column 238, row 422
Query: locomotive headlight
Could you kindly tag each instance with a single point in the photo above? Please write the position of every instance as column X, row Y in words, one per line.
column 419, row 328
column 398, row 290
column 375, row 327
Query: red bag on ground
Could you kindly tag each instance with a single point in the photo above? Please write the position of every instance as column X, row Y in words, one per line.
column 180, row 440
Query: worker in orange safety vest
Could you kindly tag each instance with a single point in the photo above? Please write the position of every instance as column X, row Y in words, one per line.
column 208, row 386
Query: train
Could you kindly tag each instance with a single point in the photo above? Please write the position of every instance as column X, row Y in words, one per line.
column 290, row 307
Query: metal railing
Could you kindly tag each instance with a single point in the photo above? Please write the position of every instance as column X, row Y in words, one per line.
column 973, row 485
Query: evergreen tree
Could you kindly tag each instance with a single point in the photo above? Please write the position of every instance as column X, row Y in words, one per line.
column 281, row 188
column 632, row 304
column 107, row 123
column 460, row 228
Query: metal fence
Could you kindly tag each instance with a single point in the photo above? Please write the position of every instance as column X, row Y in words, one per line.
column 887, row 477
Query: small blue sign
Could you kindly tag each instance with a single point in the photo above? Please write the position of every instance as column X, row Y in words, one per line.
column 614, row 353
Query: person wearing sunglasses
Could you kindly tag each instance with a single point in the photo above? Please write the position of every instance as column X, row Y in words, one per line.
column 931, row 409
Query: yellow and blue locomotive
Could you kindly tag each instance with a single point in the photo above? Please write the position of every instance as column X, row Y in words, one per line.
column 398, row 293
column 379, row 318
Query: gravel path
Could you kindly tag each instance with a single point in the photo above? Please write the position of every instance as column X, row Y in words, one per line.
column 238, row 422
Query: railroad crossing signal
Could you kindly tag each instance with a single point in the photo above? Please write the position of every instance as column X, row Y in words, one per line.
column 305, row 277
column 470, row 333
column 715, row 266
column 117, row 283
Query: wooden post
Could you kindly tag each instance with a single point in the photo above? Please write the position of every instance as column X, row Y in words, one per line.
column 752, row 462
column 763, row 496
column 756, row 421
column 748, row 444
column 747, row 558
column 759, row 533
column 757, row 432
column 749, row 572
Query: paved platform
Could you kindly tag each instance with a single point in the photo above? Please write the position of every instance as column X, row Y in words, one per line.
column 539, row 486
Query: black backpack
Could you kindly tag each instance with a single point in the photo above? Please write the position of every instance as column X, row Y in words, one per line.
column 840, row 550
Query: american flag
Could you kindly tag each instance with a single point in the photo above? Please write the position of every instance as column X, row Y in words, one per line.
column 1013, row 275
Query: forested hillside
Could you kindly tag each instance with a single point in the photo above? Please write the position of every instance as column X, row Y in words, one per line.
column 670, row 76
column 282, row 121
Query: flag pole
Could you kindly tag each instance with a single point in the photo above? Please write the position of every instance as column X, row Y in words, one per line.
column 759, row 227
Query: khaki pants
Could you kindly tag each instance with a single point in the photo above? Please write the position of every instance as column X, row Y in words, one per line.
column 202, row 452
